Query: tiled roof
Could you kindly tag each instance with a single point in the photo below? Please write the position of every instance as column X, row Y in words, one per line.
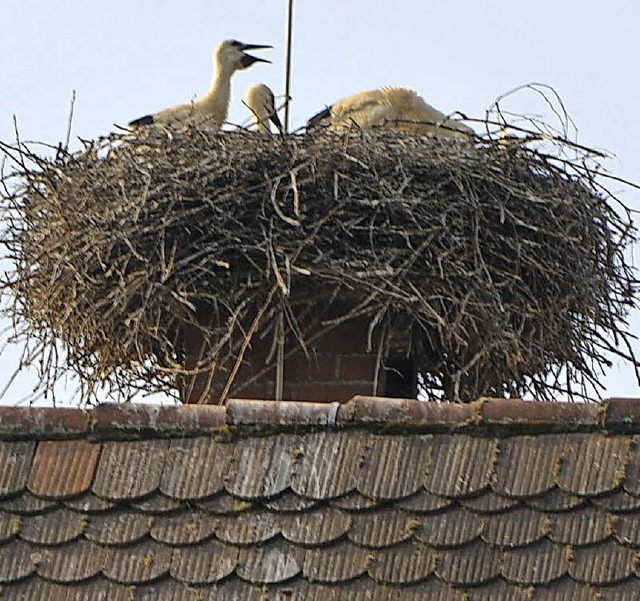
column 374, row 499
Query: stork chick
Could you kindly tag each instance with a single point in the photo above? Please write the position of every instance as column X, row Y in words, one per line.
column 228, row 57
column 262, row 105
column 397, row 109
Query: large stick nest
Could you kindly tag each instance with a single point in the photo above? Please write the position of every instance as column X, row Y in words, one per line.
column 507, row 262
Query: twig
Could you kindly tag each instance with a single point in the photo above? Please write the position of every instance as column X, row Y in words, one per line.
column 70, row 121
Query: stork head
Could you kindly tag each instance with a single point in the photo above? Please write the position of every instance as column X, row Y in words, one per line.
column 261, row 103
column 231, row 54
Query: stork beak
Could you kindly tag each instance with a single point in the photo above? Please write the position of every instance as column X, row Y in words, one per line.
column 247, row 60
column 276, row 121
column 254, row 47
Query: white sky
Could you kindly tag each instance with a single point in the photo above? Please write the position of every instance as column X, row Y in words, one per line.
column 128, row 58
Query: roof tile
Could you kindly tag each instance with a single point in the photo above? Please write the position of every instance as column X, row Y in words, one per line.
column 41, row 422
column 515, row 528
column 17, row 560
column 273, row 562
column 224, row 504
column 423, row 502
column 129, row 469
column 300, row 589
column 15, row 457
column 566, row 590
column 9, row 526
column 329, row 465
column 115, row 420
column 361, row 589
column 593, row 464
column 337, row 563
column 89, row 503
column 63, row 468
column 375, row 410
column 121, row 527
column 540, row 416
column 461, row 465
column 166, row 589
column 34, row 589
column 156, row 504
column 605, row 563
column 622, row 414
column 52, row 528
column 627, row 530
column 432, row 590
column 28, row 504
column 185, row 528
column 290, row 502
column 248, row 528
column 451, row 528
column 541, row 453
column 394, row 466
column 195, row 468
column 41, row 590
column 629, row 590
column 241, row 411
column 583, row 526
column 315, row 527
column 539, row 563
column 137, row 564
column 381, row 528
column 73, row 562
column 261, row 467
column 632, row 479
column 555, row 500
column 618, row 501
column 231, row 590
column 488, row 502
column 470, row 565
column 353, row 501
column 203, row 564
column 500, row 592
column 404, row 564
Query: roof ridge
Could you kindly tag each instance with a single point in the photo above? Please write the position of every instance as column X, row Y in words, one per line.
column 485, row 416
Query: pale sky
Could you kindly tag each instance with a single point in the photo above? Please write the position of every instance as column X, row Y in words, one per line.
column 128, row 58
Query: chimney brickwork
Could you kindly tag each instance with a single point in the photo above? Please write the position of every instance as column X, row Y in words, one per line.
column 338, row 367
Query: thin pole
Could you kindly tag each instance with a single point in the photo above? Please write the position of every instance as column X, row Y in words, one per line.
column 287, row 69
column 280, row 357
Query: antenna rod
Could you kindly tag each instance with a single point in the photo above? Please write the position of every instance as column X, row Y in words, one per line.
column 287, row 69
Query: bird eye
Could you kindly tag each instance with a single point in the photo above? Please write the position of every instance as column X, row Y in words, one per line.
column 236, row 44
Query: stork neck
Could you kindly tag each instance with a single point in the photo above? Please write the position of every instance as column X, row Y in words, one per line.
column 220, row 92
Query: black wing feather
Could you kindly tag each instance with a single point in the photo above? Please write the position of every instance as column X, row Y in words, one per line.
column 319, row 119
column 146, row 120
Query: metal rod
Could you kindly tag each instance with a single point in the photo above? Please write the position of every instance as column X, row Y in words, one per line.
column 287, row 68
column 280, row 358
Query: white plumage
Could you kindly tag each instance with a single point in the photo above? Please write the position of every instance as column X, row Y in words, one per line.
column 398, row 109
column 260, row 101
column 228, row 57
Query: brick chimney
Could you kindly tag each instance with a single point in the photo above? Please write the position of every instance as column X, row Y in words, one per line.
column 339, row 366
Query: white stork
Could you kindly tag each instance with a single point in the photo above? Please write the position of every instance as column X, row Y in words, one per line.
column 228, row 57
column 261, row 103
column 398, row 109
